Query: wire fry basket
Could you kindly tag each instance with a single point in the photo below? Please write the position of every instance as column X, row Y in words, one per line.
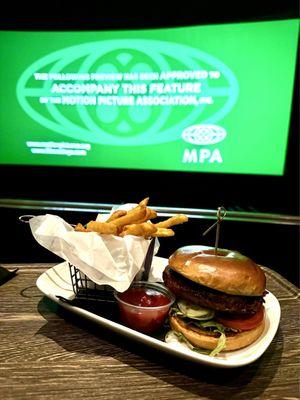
column 85, row 289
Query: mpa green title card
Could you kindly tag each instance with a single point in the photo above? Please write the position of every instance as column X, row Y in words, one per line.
column 208, row 98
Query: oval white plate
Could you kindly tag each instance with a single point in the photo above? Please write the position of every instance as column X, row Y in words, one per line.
column 56, row 282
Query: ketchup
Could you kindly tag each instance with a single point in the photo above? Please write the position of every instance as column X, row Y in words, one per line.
column 143, row 309
column 144, row 297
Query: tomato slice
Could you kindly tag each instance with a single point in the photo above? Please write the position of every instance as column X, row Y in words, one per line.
column 243, row 323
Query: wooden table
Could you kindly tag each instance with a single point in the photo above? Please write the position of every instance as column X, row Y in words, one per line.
column 48, row 353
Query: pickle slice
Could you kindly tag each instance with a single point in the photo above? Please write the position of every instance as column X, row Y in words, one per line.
column 194, row 311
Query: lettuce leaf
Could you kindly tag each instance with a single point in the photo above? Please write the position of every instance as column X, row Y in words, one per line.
column 182, row 338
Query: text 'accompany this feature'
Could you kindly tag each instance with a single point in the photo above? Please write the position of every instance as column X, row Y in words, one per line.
column 127, row 92
column 129, row 89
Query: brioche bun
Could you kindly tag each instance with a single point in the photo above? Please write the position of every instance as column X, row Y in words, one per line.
column 228, row 271
column 199, row 338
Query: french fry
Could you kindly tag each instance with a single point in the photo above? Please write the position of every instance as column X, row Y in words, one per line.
column 144, row 202
column 134, row 222
column 175, row 220
column 102, row 227
column 80, row 228
column 163, row 232
column 132, row 216
column 116, row 214
column 145, row 229
column 150, row 214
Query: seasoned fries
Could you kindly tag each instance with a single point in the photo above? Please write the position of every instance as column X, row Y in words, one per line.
column 132, row 216
column 80, row 228
column 145, row 229
column 163, row 232
column 116, row 214
column 136, row 222
column 150, row 214
column 175, row 220
column 144, row 202
column 106, row 228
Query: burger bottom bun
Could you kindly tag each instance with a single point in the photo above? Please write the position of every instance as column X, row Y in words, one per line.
column 199, row 339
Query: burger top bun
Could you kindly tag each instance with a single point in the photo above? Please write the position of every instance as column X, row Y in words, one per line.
column 228, row 271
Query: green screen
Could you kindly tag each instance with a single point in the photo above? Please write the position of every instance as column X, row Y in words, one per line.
column 213, row 98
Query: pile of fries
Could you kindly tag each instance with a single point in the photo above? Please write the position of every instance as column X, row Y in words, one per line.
column 136, row 222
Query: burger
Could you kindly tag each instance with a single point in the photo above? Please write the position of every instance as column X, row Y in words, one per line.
column 219, row 298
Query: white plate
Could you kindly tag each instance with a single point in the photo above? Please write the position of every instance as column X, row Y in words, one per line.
column 56, row 282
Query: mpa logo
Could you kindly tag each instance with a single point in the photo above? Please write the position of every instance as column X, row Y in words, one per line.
column 204, row 134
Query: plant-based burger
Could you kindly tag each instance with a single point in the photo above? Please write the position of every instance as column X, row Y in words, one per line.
column 219, row 298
